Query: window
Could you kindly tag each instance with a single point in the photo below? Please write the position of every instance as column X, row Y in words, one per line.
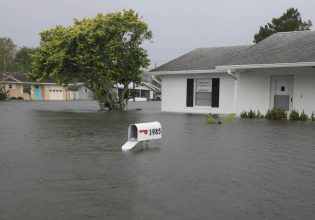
column 26, row 88
column 203, row 94
column 85, row 90
column 10, row 86
column 282, row 88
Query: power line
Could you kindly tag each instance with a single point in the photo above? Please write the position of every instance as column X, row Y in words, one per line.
column 17, row 29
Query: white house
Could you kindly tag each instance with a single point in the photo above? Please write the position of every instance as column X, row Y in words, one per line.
column 277, row 72
column 79, row 92
column 144, row 91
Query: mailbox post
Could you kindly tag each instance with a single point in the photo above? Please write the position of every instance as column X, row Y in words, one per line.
column 142, row 132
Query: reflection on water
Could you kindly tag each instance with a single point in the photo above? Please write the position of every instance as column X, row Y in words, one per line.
column 62, row 160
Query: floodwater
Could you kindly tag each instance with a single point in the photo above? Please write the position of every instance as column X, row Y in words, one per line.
column 62, row 160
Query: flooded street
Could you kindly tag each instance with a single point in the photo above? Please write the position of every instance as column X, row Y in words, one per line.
column 63, row 160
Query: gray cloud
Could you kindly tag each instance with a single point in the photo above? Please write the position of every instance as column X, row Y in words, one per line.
column 178, row 25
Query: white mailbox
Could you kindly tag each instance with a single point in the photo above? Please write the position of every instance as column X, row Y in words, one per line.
column 142, row 132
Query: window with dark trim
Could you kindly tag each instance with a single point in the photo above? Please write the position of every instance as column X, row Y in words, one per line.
column 205, row 92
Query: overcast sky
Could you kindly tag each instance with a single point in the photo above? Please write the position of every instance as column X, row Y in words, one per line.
column 178, row 25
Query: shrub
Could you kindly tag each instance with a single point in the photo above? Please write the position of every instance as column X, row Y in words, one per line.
column 251, row 114
column 303, row 116
column 227, row 117
column 4, row 95
column 276, row 114
column 211, row 120
column 313, row 116
column 244, row 114
column 294, row 115
column 13, row 98
column 20, row 98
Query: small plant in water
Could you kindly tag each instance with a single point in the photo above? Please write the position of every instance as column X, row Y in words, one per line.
column 251, row 114
column 276, row 114
column 211, row 120
column 303, row 116
column 244, row 114
column 227, row 117
column 313, row 116
column 294, row 115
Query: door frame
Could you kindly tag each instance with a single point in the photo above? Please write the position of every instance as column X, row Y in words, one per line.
column 273, row 79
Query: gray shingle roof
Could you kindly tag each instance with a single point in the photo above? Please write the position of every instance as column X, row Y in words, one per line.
column 283, row 47
column 24, row 79
column 202, row 58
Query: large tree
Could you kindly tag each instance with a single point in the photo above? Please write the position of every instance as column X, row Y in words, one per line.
column 290, row 21
column 23, row 59
column 7, row 54
column 101, row 52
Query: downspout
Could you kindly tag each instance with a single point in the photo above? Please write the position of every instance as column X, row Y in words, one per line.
column 235, row 89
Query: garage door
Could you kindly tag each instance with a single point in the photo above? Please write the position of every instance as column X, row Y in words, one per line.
column 56, row 93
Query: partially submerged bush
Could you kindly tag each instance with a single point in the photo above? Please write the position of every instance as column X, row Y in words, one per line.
column 244, row 114
column 227, row 117
column 211, row 120
column 4, row 94
column 294, row 115
column 303, row 116
column 251, row 114
column 313, row 116
column 276, row 114
column 20, row 98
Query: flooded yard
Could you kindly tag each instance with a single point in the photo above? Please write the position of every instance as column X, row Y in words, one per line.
column 63, row 160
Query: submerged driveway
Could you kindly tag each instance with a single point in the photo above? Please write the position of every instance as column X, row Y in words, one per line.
column 63, row 160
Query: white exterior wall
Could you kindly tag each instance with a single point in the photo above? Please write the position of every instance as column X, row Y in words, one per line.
column 254, row 89
column 82, row 94
column 174, row 94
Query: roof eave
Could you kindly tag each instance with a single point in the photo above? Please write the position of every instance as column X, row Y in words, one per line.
column 265, row 66
column 178, row 72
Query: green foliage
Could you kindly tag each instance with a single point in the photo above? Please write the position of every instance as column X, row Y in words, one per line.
column 276, row 114
column 7, row 52
column 244, row 114
column 294, row 115
column 211, row 120
column 23, row 59
column 251, row 114
column 101, row 52
column 290, row 21
column 227, row 117
column 303, row 116
column 4, row 94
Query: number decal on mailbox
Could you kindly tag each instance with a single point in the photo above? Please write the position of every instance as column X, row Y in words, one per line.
column 156, row 131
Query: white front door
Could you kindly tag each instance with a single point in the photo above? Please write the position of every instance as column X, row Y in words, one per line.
column 281, row 92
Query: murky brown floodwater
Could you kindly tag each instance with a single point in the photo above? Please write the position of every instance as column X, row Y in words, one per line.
column 62, row 160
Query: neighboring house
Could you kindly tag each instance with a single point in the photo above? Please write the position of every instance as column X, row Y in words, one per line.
column 277, row 72
column 143, row 92
column 19, row 85
column 79, row 92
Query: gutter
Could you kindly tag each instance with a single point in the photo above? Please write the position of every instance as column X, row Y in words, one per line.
column 188, row 72
column 262, row 66
column 231, row 74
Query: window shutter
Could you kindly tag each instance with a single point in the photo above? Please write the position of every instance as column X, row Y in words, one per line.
column 215, row 92
column 190, row 93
